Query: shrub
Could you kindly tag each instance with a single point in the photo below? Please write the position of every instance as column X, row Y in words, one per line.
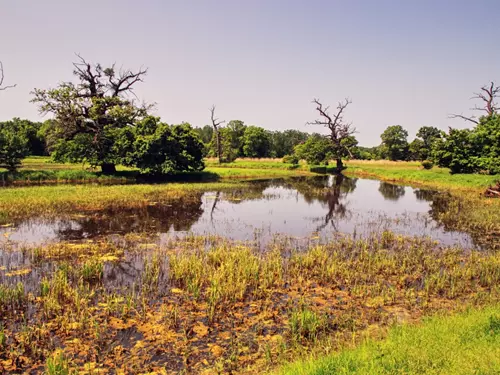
column 291, row 159
column 427, row 164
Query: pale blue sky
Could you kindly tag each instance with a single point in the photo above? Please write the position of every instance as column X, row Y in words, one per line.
column 263, row 61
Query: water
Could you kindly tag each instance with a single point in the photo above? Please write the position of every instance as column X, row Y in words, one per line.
column 319, row 207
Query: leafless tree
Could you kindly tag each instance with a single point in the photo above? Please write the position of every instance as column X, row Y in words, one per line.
column 340, row 130
column 2, row 78
column 216, row 123
column 488, row 94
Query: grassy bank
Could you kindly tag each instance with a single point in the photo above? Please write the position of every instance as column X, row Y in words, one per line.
column 463, row 344
column 21, row 202
column 413, row 173
column 39, row 170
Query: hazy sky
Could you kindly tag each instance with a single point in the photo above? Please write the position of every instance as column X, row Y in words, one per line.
column 263, row 61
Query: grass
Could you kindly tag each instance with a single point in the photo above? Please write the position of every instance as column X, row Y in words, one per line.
column 464, row 344
column 51, row 200
column 209, row 304
column 414, row 173
column 39, row 170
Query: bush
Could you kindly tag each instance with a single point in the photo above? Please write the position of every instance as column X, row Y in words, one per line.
column 291, row 159
column 427, row 164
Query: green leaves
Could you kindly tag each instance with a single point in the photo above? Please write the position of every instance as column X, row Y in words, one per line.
column 159, row 148
column 471, row 151
column 13, row 144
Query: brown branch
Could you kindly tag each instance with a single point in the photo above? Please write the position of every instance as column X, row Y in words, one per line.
column 471, row 119
column 215, row 121
column 2, row 78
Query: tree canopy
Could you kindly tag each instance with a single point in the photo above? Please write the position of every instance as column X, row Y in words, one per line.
column 89, row 113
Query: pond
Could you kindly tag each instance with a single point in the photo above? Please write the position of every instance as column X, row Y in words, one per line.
column 300, row 208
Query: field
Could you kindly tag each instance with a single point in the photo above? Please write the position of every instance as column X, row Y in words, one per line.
column 139, row 300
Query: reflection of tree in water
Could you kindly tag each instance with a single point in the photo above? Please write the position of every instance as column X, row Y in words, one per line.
column 179, row 215
column 425, row 195
column 390, row 191
column 329, row 190
column 451, row 214
column 254, row 190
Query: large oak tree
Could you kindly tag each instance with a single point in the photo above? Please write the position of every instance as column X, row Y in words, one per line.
column 89, row 114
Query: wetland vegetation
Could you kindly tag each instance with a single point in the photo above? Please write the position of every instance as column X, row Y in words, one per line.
column 242, row 276
column 132, row 246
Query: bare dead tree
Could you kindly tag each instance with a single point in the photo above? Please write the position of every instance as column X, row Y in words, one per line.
column 340, row 130
column 216, row 123
column 488, row 94
column 2, row 78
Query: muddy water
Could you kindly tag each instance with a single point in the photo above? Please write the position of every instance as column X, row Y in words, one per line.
column 316, row 207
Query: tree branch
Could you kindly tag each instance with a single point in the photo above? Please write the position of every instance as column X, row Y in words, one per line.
column 471, row 119
column 2, row 78
column 215, row 121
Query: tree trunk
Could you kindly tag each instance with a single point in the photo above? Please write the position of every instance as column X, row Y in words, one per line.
column 108, row 168
column 340, row 165
column 219, row 147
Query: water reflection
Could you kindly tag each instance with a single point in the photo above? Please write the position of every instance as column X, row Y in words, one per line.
column 301, row 207
column 390, row 191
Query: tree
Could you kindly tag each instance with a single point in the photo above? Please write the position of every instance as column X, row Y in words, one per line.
column 2, row 78
column 283, row 143
column 339, row 130
column 471, row 151
column 417, row 150
column 421, row 147
column 157, row 148
column 216, row 124
column 394, row 142
column 13, row 145
column 316, row 150
column 455, row 151
column 89, row 115
column 488, row 95
column 206, row 134
column 256, row 142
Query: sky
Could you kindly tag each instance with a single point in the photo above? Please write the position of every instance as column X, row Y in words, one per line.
column 401, row 62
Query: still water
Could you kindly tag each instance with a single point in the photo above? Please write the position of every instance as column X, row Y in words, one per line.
column 301, row 208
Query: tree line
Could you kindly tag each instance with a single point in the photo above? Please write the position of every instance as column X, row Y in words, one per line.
column 98, row 120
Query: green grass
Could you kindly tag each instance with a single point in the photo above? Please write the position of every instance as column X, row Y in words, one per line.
column 28, row 201
column 463, row 344
column 413, row 173
column 40, row 169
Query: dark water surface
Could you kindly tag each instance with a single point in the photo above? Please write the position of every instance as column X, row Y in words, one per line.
column 302, row 207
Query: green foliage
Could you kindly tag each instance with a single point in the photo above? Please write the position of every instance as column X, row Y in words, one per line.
column 291, row 159
column 421, row 147
column 316, row 150
column 256, row 142
column 427, row 164
column 394, row 142
column 14, row 144
column 417, row 150
column 283, row 143
column 471, row 151
column 205, row 134
column 89, row 114
column 159, row 148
